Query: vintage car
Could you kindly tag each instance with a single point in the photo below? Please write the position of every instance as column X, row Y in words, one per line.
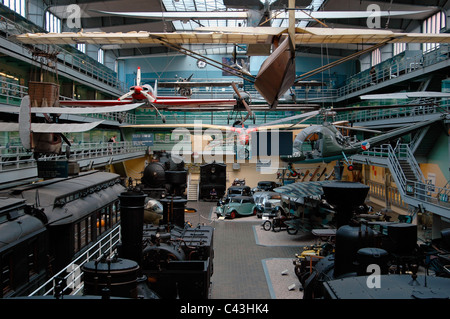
column 268, row 204
column 237, row 206
column 265, row 186
column 233, row 191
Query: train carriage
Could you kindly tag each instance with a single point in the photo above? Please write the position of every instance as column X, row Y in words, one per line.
column 74, row 213
column 23, row 247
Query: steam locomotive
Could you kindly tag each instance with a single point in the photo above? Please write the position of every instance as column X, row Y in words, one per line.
column 170, row 260
column 213, row 176
column 157, row 184
column 160, row 176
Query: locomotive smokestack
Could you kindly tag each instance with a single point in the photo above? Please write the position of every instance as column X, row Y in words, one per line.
column 132, row 223
column 173, row 210
column 345, row 197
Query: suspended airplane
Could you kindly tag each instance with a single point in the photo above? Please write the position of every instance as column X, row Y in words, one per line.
column 325, row 143
column 183, row 86
column 148, row 96
column 277, row 74
column 47, row 138
column 237, row 134
column 405, row 95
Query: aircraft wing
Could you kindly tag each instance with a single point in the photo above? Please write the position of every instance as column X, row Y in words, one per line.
column 63, row 128
column 405, row 95
column 9, row 127
column 86, row 110
column 216, row 15
column 180, row 15
column 302, row 189
column 51, row 127
column 194, row 102
column 94, row 103
column 223, row 35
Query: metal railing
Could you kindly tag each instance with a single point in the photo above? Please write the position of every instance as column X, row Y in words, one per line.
column 429, row 193
column 75, row 60
column 12, row 94
column 90, row 150
column 401, row 112
column 71, row 274
column 17, row 157
column 393, row 68
column 419, row 190
column 404, row 151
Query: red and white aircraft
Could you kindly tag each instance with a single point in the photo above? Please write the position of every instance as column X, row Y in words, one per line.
column 145, row 93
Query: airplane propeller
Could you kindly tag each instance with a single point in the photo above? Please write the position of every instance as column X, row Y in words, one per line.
column 138, row 89
column 242, row 100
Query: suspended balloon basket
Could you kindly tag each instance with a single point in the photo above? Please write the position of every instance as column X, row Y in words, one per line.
column 43, row 87
column 43, row 94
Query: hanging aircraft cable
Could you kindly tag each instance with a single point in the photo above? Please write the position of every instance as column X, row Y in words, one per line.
column 242, row 100
column 340, row 61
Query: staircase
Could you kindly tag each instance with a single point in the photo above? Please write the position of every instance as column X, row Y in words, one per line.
column 407, row 170
column 192, row 188
column 408, row 177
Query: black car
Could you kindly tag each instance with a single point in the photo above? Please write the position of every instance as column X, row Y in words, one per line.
column 265, row 186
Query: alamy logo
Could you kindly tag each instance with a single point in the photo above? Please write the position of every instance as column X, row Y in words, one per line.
column 237, row 143
column 374, row 280
column 74, row 17
column 374, row 19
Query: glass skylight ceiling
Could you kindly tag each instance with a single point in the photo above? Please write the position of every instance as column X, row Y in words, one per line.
column 280, row 19
column 200, row 5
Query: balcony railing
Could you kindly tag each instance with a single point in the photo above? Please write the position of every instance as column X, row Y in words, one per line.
column 68, row 56
column 12, row 93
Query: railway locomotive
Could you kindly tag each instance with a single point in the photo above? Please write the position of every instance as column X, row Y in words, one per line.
column 160, row 176
column 170, row 260
column 213, row 178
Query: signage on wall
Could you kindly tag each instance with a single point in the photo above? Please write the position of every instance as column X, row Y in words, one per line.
column 143, row 139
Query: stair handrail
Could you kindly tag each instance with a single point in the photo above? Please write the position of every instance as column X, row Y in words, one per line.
column 445, row 190
column 396, row 168
column 404, row 149
column 417, row 190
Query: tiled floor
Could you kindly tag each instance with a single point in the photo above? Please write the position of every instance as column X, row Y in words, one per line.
column 239, row 262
